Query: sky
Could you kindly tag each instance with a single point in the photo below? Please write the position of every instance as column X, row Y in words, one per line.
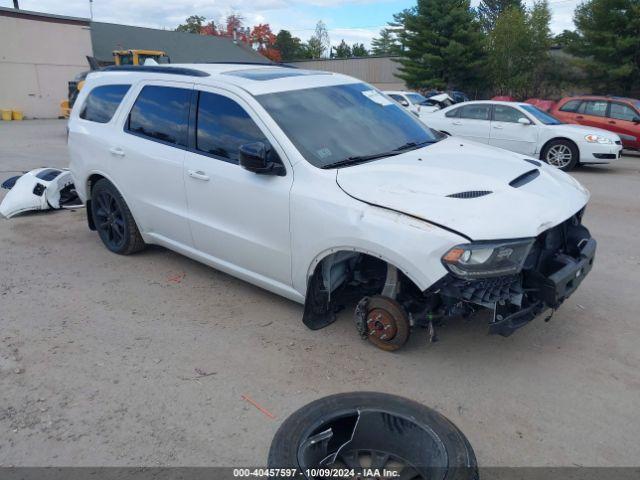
column 351, row 20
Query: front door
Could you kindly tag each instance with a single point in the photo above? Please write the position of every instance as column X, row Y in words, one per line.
column 472, row 122
column 238, row 217
column 508, row 133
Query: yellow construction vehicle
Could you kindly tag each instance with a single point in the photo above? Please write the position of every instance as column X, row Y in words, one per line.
column 138, row 57
column 120, row 57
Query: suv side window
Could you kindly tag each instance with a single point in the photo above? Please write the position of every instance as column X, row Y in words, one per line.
column 102, row 102
column 620, row 111
column 571, row 106
column 597, row 108
column 476, row 112
column 223, row 126
column 161, row 114
column 503, row 113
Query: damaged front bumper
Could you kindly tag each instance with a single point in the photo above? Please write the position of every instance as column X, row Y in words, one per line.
column 560, row 260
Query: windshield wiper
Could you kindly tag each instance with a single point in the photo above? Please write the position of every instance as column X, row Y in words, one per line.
column 365, row 158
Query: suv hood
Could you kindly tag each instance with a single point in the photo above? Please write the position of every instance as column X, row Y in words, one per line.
column 420, row 183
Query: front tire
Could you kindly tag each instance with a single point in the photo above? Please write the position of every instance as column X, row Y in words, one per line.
column 561, row 154
column 113, row 220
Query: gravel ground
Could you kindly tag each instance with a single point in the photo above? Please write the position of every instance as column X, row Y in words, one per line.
column 143, row 360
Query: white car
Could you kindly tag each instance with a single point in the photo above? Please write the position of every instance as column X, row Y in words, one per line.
column 319, row 188
column 524, row 128
column 419, row 104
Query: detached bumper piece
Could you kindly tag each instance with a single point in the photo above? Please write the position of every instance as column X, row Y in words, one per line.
column 558, row 263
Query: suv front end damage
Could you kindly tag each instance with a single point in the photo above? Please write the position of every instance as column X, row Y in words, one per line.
column 553, row 267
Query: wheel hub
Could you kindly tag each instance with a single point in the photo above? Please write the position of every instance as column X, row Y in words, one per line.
column 381, row 324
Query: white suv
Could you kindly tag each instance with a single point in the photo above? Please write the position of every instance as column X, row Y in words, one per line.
column 321, row 189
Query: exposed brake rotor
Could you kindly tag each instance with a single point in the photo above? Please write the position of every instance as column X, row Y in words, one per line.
column 387, row 324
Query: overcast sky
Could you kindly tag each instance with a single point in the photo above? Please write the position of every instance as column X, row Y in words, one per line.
column 352, row 20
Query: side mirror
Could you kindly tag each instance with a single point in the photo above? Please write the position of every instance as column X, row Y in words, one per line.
column 404, row 103
column 524, row 121
column 253, row 157
column 636, row 119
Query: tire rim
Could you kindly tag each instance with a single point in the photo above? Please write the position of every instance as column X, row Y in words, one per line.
column 559, row 156
column 373, row 439
column 110, row 220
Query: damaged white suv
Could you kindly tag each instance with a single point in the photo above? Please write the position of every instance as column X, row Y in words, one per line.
column 319, row 188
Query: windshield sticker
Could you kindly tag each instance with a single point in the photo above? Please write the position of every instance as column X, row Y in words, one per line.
column 323, row 153
column 377, row 97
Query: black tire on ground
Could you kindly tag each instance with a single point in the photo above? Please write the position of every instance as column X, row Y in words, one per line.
column 460, row 460
column 113, row 220
column 552, row 154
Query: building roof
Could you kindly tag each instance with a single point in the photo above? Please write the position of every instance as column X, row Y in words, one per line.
column 42, row 17
column 181, row 47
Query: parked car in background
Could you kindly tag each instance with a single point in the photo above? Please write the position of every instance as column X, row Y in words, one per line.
column 544, row 105
column 418, row 104
column 524, row 128
column 617, row 114
column 503, row 98
column 321, row 189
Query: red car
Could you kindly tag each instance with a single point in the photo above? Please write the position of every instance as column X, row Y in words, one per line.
column 617, row 114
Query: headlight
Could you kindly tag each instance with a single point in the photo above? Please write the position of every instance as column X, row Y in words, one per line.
column 487, row 259
column 592, row 138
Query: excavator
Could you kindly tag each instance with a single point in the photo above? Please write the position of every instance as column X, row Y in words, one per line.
column 120, row 57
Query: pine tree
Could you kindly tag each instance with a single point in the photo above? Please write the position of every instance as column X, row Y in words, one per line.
column 443, row 45
column 342, row 50
column 386, row 44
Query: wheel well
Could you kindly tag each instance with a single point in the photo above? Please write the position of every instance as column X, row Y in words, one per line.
column 556, row 139
column 345, row 276
column 91, row 181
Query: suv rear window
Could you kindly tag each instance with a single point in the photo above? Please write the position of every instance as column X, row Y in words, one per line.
column 161, row 114
column 102, row 102
column 223, row 126
column 571, row 106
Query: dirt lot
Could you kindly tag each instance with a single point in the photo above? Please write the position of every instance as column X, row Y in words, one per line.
column 100, row 354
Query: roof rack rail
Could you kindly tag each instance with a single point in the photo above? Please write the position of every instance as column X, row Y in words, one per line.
column 192, row 72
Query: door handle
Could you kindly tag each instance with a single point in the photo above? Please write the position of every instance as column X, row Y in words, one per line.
column 612, row 122
column 199, row 175
column 456, row 123
column 116, row 152
column 579, row 117
column 498, row 127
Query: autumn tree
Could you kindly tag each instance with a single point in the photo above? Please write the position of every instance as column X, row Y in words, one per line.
column 263, row 39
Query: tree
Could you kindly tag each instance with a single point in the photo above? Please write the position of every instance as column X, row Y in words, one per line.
column 508, row 59
column 319, row 43
column 359, row 50
column 193, row 24
column 210, row 29
column 342, row 50
column 386, row 44
column 443, row 45
column 608, row 44
column 290, row 47
column 541, row 40
column 263, row 39
column 490, row 10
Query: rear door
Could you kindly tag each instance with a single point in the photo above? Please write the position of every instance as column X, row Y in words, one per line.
column 568, row 111
column 148, row 157
column 508, row 133
column 622, row 119
column 592, row 113
column 470, row 121
column 238, row 217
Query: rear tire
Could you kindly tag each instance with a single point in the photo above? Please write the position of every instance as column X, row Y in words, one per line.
column 113, row 220
column 562, row 154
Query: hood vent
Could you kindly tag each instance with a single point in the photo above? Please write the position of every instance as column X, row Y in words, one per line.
column 524, row 178
column 470, row 194
column 533, row 162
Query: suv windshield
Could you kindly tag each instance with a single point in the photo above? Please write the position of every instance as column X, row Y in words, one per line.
column 345, row 124
column 543, row 117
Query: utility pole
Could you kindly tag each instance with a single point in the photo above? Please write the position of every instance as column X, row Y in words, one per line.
column 15, row 5
column 90, row 8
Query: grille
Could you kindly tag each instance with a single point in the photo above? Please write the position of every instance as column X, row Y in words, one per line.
column 470, row 194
